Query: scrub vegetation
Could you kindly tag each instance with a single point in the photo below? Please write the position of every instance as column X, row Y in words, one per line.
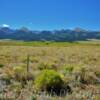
column 49, row 71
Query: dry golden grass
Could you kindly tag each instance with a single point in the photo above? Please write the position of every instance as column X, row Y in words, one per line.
column 85, row 61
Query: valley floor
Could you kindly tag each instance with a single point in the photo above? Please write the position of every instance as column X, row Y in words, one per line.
column 78, row 65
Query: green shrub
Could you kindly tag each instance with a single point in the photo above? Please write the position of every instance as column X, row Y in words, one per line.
column 33, row 98
column 51, row 82
column 46, row 65
column 19, row 69
column 1, row 65
column 47, row 80
column 97, row 97
column 19, row 72
column 42, row 66
column 97, row 73
column 16, row 87
column 7, row 79
column 68, row 69
column 34, row 59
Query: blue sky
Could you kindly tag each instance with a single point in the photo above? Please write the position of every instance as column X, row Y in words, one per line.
column 50, row 14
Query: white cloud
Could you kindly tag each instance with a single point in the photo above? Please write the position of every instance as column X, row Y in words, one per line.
column 5, row 25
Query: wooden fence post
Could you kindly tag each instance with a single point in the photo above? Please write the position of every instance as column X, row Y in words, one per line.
column 28, row 59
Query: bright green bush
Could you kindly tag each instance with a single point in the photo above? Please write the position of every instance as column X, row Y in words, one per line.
column 48, row 79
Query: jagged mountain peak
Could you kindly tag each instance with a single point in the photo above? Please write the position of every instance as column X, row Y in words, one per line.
column 58, row 35
column 78, row 29
column 25, row 29
column 6, row 30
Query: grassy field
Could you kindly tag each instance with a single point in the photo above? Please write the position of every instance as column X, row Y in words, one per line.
column 48, row 43
column 23, row 66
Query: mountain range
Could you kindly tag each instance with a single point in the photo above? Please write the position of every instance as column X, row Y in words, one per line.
column 25, row 34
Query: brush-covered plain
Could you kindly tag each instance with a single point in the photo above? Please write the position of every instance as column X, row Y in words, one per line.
column 36, row 72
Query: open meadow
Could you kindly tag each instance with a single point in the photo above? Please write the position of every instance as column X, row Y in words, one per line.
column 49, row 71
